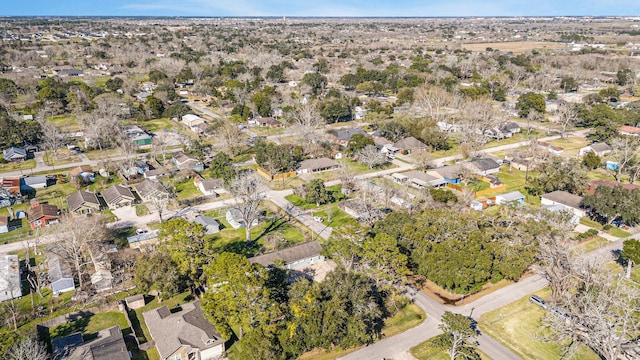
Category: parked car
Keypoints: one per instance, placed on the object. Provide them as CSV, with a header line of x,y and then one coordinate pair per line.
x,y
318,219
560,313
538,301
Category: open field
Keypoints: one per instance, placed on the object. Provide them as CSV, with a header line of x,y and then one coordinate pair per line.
x,y
518,327
514,46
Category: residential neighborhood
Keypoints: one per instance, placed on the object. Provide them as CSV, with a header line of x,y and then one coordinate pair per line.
x,y
332,187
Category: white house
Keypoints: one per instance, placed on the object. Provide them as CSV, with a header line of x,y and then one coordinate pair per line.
x,y
567,200
510,197
599,149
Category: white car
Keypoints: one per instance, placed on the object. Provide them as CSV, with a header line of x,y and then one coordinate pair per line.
x,y
318,219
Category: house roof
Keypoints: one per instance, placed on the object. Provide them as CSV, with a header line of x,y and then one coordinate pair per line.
x,y
113,193
109,345
148,187
133,298
41,210
629,129
318,164
77,199
600,147
14,152
33,180
290,254
606,182
345,134
410,143
182,158
511,196
58,269
268,121
449,171
212,184
170,330
564,198
510,126
80,169
142,237
484,164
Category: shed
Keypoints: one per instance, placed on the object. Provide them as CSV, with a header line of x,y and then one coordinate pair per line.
x,y
514,196
135,301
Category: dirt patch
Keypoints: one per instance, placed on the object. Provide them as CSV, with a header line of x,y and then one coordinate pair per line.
x,y
514,46
445,297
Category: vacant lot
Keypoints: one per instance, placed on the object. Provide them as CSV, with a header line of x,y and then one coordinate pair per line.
x,y
518,327
514,46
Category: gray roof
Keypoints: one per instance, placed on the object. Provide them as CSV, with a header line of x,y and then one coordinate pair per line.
x,y
144,236
449,171
289,254
318,164
511,196
116,192
600,147
14,152
81,197
149,187
410,143
564,198
210,224
345,134
58,268
212,184
185,327
33,180
484,164
109,345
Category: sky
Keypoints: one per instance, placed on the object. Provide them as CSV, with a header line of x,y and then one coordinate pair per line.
x,y
358,8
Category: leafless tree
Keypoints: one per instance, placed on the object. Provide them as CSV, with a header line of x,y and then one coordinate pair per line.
x,y
370,156
8,285
28,349
249,191
228,136
306,121
347,179
77,235
52,138
159,204
601,313
567,116
435,100
557,265
625,151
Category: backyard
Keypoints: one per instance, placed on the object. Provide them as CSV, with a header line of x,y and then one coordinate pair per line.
x,y
89,326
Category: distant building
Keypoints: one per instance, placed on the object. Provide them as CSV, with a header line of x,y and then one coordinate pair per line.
x,y
294,257
317,165
567,200
514,196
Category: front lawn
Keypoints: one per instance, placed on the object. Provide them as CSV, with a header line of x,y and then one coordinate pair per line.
x,y
18,166
425,351
89,326
61,157
187,190
518,326
65,123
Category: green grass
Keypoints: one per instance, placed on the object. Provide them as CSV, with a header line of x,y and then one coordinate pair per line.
x,y
65,122
518,327
18,234
425,351
592,244
89,326
161,124
590,223
617,232
64,156
187,190
18,166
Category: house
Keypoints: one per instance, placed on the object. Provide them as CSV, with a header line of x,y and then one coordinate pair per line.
x,y
14,153
143,241
83,202
138,136
154,174
193,122
184,334
185,161
210,225
359,211
510,128
60,274
84,171
520,160
4,224
11,185
268,122
450,173
33,183
629,130
108,345
234,218
483,166
599,149
209,187
514,196
606,182
419,179
43,215
316,165
150,189
410,144
117,196
450,127
135,301
102,280
567,200
10,284
342,136
294,257
559,209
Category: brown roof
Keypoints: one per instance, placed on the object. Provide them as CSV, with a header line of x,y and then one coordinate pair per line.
x,y
564,198
410,143
81,197
4,220
607,182
115,192
80,169
289,254
170,331
318,164
630,129
42,210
